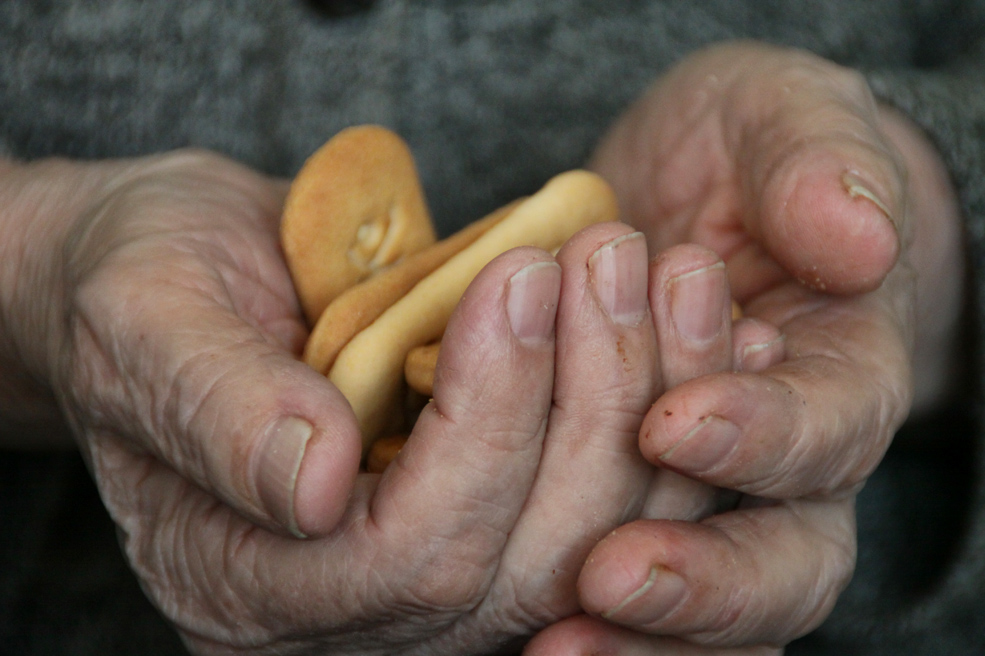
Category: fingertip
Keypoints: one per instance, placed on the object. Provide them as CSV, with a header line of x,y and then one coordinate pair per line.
x,y
697,291
682,259
285,446
631,576
532,300
831,226
757,575
582,635
525,283
618,273
757,345
579,635
307,468
697,428
325,479
570,637
609,259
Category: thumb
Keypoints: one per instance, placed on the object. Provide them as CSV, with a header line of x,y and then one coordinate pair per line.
x,y
188,380
822,186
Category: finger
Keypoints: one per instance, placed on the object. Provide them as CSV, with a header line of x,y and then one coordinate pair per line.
x,y
823,190
758,575
467,468
771,156
423,539
692,307
582,635
219,400
816,424
756,345
182,326
591,477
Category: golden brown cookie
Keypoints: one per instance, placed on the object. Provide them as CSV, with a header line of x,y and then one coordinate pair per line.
x,y
369,369
419,368
354,208
357,307
383,452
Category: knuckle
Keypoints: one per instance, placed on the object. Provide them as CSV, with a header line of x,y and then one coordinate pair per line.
x,y
91,370
855,88
740,612
834,454
444,587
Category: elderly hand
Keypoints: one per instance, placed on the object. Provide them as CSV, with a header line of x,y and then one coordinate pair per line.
x,y
838,225
170,340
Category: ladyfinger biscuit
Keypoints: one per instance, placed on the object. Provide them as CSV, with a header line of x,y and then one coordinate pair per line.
x,y
357,307
369,369
383,452
419,368
355,207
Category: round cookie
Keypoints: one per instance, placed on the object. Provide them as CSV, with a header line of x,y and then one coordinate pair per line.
x,y
354,208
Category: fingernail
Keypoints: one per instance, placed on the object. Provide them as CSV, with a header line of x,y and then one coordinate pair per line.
x,y
856,188
284,448
662,592
531,303
619,276
704,446
696,302
757,357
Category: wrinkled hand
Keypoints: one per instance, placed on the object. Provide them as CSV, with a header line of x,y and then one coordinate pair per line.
x,y
172,341
839,226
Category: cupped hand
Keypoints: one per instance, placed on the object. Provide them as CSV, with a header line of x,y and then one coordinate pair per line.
x,y
838,225
171,343
172,332
473,538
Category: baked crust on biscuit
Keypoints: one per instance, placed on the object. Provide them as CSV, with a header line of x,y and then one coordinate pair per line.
x,y
354,208
419,368
376,286
369,369
357,307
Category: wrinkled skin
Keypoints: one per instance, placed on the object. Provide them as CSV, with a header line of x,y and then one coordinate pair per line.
x,y
177,351
172,341
839,225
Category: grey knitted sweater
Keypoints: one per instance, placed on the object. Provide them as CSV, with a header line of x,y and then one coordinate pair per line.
x,y
494,97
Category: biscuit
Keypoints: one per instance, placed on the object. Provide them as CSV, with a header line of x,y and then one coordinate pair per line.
x,y
383,452
419,368
357,307
369,369
354,208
